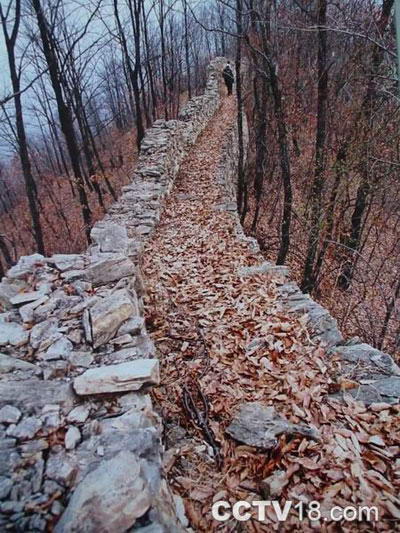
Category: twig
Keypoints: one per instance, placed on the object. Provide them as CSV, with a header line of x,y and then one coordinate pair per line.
x,y
201,418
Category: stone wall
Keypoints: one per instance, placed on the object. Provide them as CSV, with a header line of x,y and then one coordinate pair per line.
x,y
80,444
377,375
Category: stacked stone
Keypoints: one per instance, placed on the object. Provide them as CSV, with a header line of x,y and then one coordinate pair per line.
x,y
377,373
80,444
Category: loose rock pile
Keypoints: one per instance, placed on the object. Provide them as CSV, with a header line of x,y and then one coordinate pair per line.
x,y
80,443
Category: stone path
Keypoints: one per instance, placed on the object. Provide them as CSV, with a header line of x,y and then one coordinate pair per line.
x,y
225,344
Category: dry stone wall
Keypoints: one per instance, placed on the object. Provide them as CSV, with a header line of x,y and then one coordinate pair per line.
x,y
80,443
376,373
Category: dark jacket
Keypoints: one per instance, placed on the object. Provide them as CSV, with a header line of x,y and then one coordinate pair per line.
x,y
228,74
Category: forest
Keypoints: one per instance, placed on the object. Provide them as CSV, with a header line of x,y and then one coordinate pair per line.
x,y
316,79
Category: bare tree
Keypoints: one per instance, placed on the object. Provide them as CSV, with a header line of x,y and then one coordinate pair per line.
x,y
15,75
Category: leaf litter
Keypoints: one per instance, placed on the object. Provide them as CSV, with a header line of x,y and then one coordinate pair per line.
x,y
222,342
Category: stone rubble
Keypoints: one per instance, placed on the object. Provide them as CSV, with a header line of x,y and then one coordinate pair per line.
x,y
73,323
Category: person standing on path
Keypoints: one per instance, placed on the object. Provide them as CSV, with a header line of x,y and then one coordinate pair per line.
x,y
227,74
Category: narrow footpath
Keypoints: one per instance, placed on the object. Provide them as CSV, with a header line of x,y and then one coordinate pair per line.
x,y
223,341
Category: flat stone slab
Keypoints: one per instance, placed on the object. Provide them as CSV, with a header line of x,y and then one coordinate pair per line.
x,y
67,261
26,297
118,378
107,315
259,425
110,498
35,394
109,267
13,333
27,311
9,364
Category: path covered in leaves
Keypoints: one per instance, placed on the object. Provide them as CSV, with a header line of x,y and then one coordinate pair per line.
x,y
203,318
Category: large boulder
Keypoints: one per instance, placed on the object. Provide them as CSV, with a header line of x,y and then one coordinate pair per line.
x,y
110,498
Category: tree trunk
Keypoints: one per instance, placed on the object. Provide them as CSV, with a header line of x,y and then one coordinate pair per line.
x,y
365,117
309,274
64,113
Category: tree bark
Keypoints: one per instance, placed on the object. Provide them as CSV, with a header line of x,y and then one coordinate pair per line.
x,y
309,274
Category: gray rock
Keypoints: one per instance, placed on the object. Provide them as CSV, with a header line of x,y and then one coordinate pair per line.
x,y
72,438
51,416
132,326
83,359
56,508
7,291
45,334
110,498
33,394
11,507
26,265
37,523
367,359
75,336
259,425
9,364
106,268
27,311
118,378
6,443
142,348
79,415
81,287
61,468
50,487
110,237
382,391
122,339
180,510
320,323
33,447
274,484
67,261
60,349
5,487
9,414
26,429
26,297
264,268
73,275
107,315
13,333
55,369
